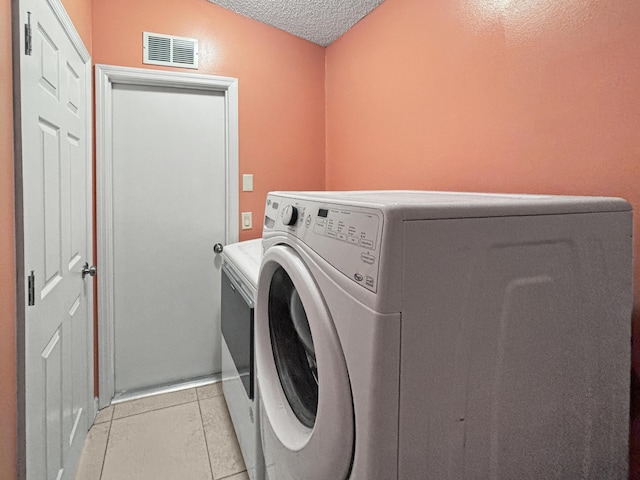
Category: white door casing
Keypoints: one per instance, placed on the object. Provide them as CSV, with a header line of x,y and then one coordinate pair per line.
x,y
55,178
128,81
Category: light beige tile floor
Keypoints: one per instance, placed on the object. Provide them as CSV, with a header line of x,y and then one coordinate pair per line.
x,y
179,435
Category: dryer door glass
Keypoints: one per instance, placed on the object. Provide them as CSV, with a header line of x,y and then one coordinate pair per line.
x,y
293,349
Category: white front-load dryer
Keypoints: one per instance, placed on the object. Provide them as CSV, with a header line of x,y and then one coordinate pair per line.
x,y
430,335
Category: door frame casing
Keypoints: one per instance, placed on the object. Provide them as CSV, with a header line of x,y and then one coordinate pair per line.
x,y
105,77
18,40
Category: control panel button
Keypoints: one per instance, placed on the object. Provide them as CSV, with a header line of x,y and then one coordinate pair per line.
x,y
366,243
307,221
332,234
369,281
319,228
358,277
342,236
289,215
269,222
366,258
352,240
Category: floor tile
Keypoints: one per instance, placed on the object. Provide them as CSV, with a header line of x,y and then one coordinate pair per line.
x,y
164,444
224,451
155,402
104,415
209,391
92,457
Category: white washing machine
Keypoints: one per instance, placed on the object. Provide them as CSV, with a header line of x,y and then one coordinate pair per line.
x,y
429,335
240,268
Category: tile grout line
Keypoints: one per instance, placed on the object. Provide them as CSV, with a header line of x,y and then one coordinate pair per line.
x,y
104,455
206,442
233,475
115,406
153,409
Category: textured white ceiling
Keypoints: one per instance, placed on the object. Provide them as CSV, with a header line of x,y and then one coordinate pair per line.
x,y
319,21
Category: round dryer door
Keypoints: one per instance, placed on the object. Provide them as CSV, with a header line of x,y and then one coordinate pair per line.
x,y
306,405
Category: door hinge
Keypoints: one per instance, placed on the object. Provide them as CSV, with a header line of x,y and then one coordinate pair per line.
x,y
28,39
31,287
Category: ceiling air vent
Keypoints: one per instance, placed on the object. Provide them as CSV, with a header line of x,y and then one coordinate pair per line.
x,y
169,50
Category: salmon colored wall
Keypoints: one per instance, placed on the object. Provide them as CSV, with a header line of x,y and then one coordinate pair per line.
x,y
491,95
80,13
8,464
281,84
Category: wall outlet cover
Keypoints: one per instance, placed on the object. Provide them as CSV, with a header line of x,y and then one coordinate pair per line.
x,y
247,220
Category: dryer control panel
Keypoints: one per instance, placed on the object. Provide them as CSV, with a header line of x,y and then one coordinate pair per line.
x,y
346,236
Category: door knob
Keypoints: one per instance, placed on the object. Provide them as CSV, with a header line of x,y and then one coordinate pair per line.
x,y
218,248
88,270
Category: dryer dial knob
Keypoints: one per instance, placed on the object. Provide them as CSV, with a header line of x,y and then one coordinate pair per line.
x,y
290,215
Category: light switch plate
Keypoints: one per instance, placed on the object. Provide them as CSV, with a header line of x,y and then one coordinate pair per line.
x,y
247,182
247,221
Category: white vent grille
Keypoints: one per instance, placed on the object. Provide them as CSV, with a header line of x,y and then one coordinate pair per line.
x,y
169,50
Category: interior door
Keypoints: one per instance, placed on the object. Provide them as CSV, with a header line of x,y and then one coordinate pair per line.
x,y
56,176
168,211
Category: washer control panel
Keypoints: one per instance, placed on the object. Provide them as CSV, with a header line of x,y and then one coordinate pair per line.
x,y
348,237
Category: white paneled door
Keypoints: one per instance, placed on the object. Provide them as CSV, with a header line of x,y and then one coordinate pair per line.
x,y
169,209
56,183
